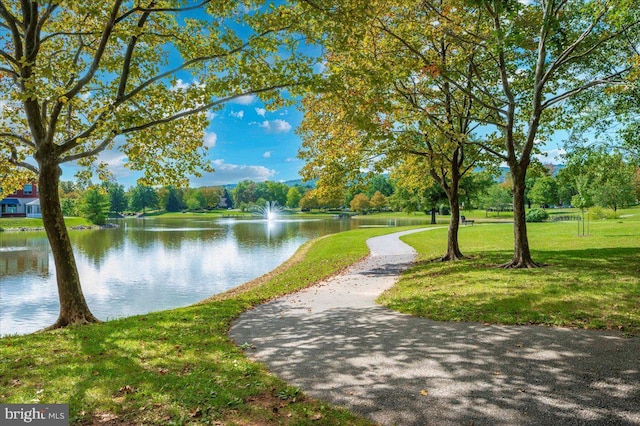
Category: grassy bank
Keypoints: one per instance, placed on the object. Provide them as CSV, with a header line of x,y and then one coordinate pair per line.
x,y
589,281
18,223
178,366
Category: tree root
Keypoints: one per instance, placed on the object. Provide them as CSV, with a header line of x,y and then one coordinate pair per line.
x,y
452,257
520,264
62,322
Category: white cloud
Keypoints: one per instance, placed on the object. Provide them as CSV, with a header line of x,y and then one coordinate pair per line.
x,y
267,154
553,156
116,161
232,173
237,114
211,115
180,85
275,126
210,139
261,111
244,100
320,67
291,159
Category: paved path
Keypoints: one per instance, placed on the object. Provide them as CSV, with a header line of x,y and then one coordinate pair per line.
x,y
336,344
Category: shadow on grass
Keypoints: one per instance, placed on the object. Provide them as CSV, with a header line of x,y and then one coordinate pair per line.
x,y
171,367
594,288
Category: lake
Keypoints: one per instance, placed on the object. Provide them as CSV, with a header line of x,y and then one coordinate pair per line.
x,y
150,264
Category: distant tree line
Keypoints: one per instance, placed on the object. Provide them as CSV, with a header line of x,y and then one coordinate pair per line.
x,y
591,178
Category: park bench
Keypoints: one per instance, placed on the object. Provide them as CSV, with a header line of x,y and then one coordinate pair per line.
x,y
464,221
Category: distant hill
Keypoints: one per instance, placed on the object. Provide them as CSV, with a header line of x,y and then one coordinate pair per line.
x,y
504,171
310,184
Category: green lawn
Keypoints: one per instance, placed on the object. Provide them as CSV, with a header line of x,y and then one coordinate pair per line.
x,y
28,222
589,281
177,366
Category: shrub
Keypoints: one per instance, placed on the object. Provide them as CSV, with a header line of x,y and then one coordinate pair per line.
x,y
444,210
598,212
537,215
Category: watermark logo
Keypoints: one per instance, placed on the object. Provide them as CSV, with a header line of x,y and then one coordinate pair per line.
x,y
34,414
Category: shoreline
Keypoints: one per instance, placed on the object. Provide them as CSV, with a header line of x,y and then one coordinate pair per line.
x,y
73,228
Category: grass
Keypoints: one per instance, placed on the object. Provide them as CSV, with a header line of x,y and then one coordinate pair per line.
x,y
587,282
8,223
177,366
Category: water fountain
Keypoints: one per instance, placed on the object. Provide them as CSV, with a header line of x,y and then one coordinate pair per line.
x,y
270,210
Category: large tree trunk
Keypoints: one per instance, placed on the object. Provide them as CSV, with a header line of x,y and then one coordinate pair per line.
x,y
453,248
521,252
73,307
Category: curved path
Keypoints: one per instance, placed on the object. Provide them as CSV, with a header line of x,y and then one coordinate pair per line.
x,y
336,344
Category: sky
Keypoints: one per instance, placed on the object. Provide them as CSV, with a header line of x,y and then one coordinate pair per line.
x,y
245,141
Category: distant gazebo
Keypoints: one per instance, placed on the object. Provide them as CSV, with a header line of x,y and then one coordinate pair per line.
x,y
33,208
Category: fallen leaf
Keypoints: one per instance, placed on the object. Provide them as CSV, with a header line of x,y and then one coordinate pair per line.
x,y
127,390
424,392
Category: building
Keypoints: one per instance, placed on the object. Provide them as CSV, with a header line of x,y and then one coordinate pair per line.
x,y
22,203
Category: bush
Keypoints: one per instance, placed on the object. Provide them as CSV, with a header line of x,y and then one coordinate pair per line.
x,y
598,212
537,215
444,210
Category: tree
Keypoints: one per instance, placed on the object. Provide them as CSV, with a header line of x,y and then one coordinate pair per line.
x,y
194,199
381,184
277,191
415,193
498,197
117,198
142,197
384,100
94,205
378,201
544,192
473,186
80,77
293,198
599,176
245,192
210,196
173,200
360,203
309,201
541,53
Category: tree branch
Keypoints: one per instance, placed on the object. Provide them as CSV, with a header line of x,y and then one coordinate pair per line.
x,y
95,151
563,58
186,64
24,141
201,108
12,22
106,34
126,64
606,80
160,9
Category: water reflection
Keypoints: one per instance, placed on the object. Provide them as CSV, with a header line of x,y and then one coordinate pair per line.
x,y
22,254
148,264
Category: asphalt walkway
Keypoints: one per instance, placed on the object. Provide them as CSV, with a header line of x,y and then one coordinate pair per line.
x,y
336,344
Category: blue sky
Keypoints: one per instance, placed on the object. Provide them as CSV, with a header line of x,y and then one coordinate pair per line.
x,y
245,141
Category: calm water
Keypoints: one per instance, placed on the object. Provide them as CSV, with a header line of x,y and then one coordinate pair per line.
x,y
148,264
